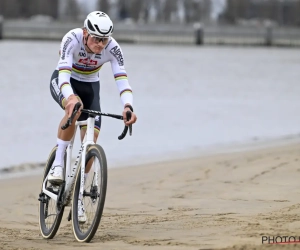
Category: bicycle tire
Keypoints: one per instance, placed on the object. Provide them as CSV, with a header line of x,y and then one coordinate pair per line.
x,y
93,151
51,232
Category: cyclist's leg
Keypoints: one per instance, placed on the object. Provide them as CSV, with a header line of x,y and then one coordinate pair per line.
x,y
91,101
89,94
68,133
63,136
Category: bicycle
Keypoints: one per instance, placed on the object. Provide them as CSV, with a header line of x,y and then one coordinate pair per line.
x,y
75,185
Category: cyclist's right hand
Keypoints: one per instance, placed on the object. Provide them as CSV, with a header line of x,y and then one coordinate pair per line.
x,y
71,101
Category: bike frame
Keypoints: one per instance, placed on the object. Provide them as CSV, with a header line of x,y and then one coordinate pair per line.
x,y
71,170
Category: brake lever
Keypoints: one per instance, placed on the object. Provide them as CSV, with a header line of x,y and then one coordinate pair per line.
x,y
128,117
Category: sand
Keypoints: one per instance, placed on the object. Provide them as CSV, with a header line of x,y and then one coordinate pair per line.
x,y
217,201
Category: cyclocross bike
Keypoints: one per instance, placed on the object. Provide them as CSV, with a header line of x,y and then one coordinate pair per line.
x,y
53,199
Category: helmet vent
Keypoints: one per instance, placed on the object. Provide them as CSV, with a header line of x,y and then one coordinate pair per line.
x,y
98,28
90,26
103,33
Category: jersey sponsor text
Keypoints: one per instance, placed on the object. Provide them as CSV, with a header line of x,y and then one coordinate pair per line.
x,y
116,52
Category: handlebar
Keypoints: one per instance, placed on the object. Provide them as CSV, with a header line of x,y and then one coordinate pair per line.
x,y
94,113
128,117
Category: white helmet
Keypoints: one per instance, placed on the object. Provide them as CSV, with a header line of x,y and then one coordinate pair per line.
x,y
98,23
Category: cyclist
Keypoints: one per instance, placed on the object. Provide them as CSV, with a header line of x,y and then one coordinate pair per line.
x,y
83,51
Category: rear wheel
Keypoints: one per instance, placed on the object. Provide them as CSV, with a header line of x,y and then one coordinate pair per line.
x,y
93,196
50,212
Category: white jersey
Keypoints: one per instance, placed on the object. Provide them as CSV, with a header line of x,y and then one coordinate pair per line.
x,y
77,63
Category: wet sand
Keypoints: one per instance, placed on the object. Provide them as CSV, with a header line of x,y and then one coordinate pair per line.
x,y
218,201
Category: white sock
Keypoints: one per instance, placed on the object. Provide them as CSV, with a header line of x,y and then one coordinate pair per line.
x,y
60,152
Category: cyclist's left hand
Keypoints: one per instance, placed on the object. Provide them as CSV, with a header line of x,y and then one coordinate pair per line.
x,y
133,117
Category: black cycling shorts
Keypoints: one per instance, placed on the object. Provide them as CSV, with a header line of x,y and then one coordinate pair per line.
x,y
88,92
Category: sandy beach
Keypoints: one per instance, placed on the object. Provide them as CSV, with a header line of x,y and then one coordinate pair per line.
x,y
218,201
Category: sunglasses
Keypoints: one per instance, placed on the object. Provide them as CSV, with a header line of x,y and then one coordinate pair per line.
x,y
97,39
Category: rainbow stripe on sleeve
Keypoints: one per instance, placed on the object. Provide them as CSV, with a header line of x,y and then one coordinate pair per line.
x,y
120,76
67,70
65,84
125,91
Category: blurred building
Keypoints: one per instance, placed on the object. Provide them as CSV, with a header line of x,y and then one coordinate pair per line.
x,y
28,8
282,12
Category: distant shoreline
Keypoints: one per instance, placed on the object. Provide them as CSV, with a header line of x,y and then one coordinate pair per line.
x,y
28,168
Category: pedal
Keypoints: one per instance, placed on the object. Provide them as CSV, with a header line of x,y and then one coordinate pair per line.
x,y
42,198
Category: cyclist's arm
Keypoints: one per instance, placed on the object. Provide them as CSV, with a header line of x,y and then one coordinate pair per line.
x,y
118,68
65,64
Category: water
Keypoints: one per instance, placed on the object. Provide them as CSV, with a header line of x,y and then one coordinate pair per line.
x,y
186,99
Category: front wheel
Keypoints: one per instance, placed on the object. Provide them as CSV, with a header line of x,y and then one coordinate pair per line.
x,y
50,213
87,208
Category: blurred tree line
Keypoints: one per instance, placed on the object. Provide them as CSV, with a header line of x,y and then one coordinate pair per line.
x,y
137,10
28,8
283,12
160,10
